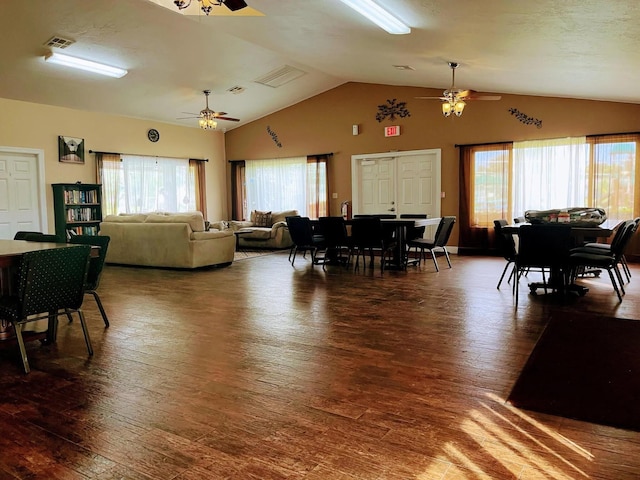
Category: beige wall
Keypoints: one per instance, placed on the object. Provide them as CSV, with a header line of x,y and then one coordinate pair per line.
x,y
29,125
323,124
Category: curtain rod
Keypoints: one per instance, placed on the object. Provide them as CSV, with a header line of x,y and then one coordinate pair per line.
x,y
155,156
511,141
314,155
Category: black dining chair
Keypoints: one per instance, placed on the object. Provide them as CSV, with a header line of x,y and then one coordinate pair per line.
x,y
336,241
507,247
545,247
50,283
96,265
368,235
581,258
413,232
436,244
301,231
22,234
43,237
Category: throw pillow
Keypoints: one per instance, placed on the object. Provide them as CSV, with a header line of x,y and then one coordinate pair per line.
x,y
262,219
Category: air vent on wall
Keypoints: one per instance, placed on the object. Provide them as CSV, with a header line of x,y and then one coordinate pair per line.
x,y
59,42
280,76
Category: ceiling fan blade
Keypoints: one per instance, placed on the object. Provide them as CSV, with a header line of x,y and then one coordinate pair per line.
x,y
191,113
228,119
219,114
187,118
484,97
430,98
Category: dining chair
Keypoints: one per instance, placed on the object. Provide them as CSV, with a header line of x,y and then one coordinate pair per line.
x,y
507,247
301,232
43,237
543,247
96,264
336,241
368,234
413,232
519,220
581,258
436,244
50,282
22,235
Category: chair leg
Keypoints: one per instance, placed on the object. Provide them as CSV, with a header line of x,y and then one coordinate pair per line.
x,y
87,339
69,315
503,274
295,252
615,286
446,255
100,307
23,351
435,261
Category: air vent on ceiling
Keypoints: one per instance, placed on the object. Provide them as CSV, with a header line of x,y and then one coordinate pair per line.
x,y
280,76
59,42
236,90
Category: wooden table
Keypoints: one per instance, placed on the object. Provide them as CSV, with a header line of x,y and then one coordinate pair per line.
x,y
11,252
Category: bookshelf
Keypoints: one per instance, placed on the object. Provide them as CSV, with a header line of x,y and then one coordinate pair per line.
x,y
77,208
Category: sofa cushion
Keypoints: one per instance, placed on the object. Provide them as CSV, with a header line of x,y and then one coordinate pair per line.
x,y
126,218
195,220
282,216
261,219
258,233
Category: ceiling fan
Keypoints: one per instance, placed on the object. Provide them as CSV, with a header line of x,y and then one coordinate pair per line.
x,y
453,99
208,117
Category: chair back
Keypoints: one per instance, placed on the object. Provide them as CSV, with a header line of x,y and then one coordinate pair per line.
x,y
544,245
53,279
300,230
367,232
334,231
22,235
443,232
43,237
96,264
505,241
621,239
414,232
519,220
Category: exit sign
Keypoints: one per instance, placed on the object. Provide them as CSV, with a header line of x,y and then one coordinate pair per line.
x,y
393,131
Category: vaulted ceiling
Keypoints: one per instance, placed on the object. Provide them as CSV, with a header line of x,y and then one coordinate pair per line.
x,y
575,48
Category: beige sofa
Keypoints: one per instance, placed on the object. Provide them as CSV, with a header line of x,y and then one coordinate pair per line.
x,y
166,240
276,235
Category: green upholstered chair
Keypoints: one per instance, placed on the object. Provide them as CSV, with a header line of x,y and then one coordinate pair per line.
x,y
96,265
50,283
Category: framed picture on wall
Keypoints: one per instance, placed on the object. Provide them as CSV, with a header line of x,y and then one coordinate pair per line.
x,y
70,149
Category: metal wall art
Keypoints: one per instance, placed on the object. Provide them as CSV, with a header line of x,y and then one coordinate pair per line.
x,y
524,118
274,136
391,110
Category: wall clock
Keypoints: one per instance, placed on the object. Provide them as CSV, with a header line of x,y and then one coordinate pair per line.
x,y
153,135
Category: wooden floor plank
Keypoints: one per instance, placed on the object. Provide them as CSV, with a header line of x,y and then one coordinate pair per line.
x,y
262,370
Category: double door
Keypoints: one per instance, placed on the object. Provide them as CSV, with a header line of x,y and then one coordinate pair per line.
x,y
398,183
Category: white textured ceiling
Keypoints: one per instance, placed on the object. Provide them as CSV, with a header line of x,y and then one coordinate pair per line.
x,y
573,48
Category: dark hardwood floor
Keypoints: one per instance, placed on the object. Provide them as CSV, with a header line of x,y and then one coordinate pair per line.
x,y
262,370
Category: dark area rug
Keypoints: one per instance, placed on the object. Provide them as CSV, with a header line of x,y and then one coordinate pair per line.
x,y
587,368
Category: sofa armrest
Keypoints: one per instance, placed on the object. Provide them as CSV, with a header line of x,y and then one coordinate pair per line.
x,y
211,234
238,224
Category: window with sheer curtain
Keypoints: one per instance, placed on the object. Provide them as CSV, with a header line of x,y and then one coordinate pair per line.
x,y
505,180
296,183
137,184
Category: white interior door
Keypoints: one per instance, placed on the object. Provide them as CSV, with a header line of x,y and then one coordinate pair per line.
x,y
377,181
418,184
22,202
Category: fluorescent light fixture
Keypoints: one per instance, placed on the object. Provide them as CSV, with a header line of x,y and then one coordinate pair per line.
x,y
88,65
379,16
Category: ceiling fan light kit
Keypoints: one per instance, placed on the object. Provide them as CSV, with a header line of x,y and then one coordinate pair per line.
x,y
87,65
207,5
378,15
207,118
453,99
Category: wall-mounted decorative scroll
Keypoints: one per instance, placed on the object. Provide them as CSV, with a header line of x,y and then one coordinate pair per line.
x,y
391,110
274,136
524,118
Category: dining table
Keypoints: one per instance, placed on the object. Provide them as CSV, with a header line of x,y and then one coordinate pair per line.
x,y
11,252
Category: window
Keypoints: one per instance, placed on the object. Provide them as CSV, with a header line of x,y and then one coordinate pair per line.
x,y
298,183
508,179
138,184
